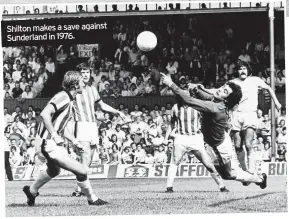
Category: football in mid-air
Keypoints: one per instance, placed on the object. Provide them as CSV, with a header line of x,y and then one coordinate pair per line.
x,y
146,41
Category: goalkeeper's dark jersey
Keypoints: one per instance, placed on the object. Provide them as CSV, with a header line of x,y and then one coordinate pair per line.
x,y
214,121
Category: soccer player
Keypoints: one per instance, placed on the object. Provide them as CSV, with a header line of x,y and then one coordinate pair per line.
x,y
49,141
244,119
187,138
85,127
214,124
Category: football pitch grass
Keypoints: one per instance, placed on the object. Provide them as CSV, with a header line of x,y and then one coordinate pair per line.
x,y
147,196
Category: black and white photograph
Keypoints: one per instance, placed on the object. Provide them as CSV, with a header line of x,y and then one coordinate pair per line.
x,y
144,108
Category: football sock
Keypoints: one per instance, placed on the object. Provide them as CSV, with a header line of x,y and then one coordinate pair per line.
x,y
242,160
87,190
251,161
41,180
171,174
218,179
77,189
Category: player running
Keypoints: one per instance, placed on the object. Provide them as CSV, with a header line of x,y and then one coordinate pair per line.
x,y
214,124
49,142
85,127
188,139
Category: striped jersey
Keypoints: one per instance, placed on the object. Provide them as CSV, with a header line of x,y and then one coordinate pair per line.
x,y
63,105
187,119
84,104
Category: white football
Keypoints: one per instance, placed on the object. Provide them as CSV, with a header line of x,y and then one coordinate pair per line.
x,y
146,41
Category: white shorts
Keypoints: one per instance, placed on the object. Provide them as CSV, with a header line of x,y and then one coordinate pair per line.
x,y
87,132
240,121
186,143
48,149
223,153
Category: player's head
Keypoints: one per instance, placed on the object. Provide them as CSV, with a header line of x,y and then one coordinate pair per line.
x,y
243,70
73,81
233,95
85,72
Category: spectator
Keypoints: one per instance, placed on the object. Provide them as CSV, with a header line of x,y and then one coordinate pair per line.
x,y
27,94
7,90
95,8
127,156
16,75
280,127
244,57
282,137
103,156
115,156
281,153
80,8
267,152
139,155
265,128
50,66
17,91
23,83
160,156
15,158
149,158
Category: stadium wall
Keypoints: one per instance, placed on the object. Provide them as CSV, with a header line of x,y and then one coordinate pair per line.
x,y
148,101
142,171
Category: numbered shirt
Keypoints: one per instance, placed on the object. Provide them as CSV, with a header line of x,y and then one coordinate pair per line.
x,y
250,88
84,104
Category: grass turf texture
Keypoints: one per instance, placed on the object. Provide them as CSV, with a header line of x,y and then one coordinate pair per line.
x,y
147,196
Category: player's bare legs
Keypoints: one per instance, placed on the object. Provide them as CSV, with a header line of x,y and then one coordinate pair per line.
x,y
238,142
85,159
232,171
248,140
53,170
207,162
177,155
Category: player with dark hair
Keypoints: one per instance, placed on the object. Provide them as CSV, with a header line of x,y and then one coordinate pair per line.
x,y
49,141
214,124
244,118
85,125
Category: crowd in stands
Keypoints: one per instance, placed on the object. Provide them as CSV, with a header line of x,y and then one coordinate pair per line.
x,y
186,50
139,139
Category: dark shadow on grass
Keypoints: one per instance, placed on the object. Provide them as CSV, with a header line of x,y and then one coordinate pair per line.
x,y
57,195
35,206
238,199
178,191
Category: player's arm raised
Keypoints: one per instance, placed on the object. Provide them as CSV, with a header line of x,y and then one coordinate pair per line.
x,y
200,105
263,85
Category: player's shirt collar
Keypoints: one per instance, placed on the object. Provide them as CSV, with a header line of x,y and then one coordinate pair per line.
x,y
70,96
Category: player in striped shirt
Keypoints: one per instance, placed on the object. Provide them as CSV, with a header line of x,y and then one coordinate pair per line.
x,y
188,139
85,128
49,141
214,125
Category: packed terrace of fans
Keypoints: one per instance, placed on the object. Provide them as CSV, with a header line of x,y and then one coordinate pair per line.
x,y
188,49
